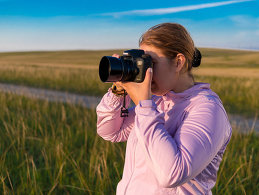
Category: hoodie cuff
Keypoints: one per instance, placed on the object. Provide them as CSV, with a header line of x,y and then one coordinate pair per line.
x,y
146,107
115,101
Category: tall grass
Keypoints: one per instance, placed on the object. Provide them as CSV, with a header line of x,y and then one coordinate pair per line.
x,y
239,169
78,80
53,148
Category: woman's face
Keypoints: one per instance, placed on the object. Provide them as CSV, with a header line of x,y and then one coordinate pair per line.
x,y
164,71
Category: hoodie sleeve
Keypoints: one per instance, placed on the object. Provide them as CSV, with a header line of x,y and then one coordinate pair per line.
x,y
175,160
110,126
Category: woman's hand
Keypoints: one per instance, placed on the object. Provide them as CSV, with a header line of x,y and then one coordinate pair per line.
x,y
139,91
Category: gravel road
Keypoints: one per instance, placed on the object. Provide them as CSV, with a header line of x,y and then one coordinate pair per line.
x,y
51,95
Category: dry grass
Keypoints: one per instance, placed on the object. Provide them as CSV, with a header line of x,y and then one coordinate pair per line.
x,y
228,72
229,58
55,58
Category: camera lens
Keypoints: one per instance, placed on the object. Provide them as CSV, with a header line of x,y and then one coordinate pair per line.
x,y
110,69
113,69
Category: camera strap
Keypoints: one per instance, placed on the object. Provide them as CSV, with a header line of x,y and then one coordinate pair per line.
x,y
124,110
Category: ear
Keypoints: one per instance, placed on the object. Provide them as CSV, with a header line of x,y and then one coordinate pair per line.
x,y
180,62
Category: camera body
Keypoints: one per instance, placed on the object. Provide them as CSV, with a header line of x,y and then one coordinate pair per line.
x,y
130,67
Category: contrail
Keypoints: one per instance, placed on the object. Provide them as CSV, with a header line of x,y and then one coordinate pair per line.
x,y
162,11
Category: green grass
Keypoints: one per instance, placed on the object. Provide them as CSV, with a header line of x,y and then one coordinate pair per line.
x,y
83,81
53,148
239,169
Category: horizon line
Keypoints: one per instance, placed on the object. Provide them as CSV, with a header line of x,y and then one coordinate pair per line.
x,y
108,49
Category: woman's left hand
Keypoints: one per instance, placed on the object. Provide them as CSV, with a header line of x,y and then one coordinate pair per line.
x,y
139,91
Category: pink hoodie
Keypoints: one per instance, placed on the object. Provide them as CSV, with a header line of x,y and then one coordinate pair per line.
x,y
175,142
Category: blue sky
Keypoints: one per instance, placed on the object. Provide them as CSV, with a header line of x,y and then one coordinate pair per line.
x,y
82,24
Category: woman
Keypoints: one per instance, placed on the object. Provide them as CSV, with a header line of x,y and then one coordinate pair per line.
x,y
177,136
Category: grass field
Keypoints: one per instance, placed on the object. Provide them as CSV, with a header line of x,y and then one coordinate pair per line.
x,y
53,148
232,74
67,71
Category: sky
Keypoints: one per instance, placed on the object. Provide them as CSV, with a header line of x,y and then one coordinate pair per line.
x,y
30,25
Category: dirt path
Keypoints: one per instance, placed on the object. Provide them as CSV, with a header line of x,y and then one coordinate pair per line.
x,y
51,95
238,122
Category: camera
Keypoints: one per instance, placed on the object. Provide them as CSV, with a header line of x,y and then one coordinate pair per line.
x,y
131,66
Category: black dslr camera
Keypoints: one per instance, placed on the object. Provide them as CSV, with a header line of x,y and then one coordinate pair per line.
x,y
132,66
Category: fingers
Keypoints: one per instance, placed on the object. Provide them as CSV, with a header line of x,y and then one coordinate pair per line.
x,y
147,80
149,74
116,55
119,86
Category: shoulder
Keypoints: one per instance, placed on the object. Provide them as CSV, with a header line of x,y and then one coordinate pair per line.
x,y
207,109
206,97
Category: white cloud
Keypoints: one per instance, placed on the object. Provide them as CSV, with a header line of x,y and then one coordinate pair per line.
x,y
245,21
162,11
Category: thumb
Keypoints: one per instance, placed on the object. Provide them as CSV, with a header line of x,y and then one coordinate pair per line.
x,y
149,74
